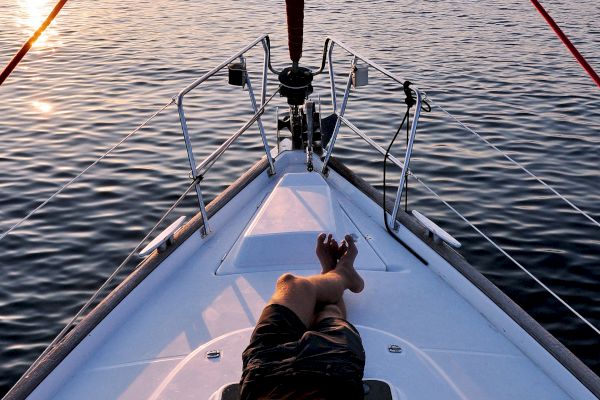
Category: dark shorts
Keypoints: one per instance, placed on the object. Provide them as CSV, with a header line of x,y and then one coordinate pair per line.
x,y
286,360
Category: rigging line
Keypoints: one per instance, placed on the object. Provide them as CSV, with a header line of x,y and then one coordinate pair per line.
x,y
568,44
76,177
542,284
25,48
64,331
547,186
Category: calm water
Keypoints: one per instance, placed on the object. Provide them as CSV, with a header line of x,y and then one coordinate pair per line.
x,y
104,66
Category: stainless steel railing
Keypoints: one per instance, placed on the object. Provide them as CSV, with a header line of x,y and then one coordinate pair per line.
x,y
341,118
197,172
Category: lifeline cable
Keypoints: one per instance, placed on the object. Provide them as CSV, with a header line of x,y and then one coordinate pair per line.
x,y
561,35
76,177
528,172
531,275
25,48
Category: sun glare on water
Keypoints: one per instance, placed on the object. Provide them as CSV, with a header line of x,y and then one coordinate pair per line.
x,y
32,14
42,106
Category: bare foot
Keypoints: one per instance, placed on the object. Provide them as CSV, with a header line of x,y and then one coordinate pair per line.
x,y
327,252
346,265
334,251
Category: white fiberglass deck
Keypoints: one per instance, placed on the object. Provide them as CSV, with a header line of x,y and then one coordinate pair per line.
x,y
209,293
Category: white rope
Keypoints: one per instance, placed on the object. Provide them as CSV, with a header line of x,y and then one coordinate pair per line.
x,y
520,166
556,296
15,226
67,327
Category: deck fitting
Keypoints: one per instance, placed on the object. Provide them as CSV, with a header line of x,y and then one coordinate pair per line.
x,y
394,348
212,354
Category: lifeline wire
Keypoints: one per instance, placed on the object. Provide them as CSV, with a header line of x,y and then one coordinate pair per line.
x,y
64,331
557,297
520,166
12,228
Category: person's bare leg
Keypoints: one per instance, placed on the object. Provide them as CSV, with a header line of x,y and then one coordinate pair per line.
x,y
342,276
328,252
331,311
331,256
345,265
301,295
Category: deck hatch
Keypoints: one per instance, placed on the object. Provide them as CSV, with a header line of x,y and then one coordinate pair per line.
x,y
282,233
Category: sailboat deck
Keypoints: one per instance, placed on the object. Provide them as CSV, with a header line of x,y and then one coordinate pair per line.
x,y
154,343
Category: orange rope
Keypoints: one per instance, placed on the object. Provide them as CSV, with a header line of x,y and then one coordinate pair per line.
x,y
21,53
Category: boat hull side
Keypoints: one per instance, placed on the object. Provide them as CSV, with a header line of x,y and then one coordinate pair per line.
x,y
29,382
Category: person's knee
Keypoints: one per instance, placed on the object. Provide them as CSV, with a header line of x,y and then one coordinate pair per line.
x,y
285,279
288,284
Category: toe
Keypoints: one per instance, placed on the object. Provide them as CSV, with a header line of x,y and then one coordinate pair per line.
x,y
321,238
352,250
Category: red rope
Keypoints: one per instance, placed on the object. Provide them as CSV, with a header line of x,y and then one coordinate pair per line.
x,y
21,53
295,21
582,61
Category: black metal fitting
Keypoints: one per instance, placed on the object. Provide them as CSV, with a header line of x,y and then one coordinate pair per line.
x,y
296,84
408,93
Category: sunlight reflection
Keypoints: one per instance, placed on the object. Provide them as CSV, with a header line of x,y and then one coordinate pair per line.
x,y
42,106
33,13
